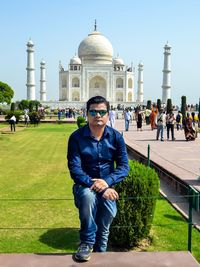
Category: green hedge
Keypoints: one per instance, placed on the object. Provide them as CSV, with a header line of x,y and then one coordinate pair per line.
x,y
10,113
138,193
81,121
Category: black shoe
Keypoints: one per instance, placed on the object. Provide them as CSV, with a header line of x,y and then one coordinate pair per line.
x,y
83,252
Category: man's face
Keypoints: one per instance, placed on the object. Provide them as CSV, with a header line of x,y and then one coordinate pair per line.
x,y
96,118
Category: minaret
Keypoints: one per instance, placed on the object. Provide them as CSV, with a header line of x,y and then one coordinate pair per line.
x,y
166,86
140,83
42,81
30,71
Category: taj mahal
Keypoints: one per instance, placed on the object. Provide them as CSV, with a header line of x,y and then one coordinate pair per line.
x,y
95,71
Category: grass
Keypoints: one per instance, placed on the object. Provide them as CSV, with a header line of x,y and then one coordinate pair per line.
x,y
33,169
3,125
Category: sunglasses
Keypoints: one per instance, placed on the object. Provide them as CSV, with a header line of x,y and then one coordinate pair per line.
x,y
94,112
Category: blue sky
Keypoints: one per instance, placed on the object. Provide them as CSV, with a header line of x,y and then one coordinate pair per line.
x,y
138,31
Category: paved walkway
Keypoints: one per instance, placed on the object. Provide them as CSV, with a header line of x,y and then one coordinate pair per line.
x,y
180,157
109,259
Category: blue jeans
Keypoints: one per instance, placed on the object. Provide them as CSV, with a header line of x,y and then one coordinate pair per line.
x,y
96,215
126,125
160,130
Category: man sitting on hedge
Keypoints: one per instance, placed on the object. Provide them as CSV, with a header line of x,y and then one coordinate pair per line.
x,y
92,151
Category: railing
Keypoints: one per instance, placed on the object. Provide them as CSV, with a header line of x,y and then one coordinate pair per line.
x,y
192,196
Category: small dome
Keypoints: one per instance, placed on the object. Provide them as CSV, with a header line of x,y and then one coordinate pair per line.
x,y
167,46
30,43
118,61
42,62
75,61
96,48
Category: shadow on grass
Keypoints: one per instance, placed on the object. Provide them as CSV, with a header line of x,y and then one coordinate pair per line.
x,y
174,217
61,238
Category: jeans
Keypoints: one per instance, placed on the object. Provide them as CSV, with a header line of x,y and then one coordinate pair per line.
x,y
96,215
160,131
170,126
126,125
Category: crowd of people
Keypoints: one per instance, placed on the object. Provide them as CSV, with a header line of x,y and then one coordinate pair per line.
x,y
160,121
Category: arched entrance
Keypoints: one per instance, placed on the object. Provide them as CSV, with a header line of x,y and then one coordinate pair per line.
x,y
97,86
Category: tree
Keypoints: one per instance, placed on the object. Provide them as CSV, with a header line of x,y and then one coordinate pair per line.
x,y
183,106
12,107
159,104
6,93
23,104
149,104
35,104
169,105
30,106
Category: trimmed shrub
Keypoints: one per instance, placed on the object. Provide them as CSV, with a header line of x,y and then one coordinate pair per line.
x,y
169,105
136,206
148,104
159,104
34,117
10,113
183,106
81,121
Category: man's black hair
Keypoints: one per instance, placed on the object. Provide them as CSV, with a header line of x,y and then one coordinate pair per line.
x,y
98,100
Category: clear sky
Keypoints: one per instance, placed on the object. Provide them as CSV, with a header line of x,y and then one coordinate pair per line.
x,y
138,31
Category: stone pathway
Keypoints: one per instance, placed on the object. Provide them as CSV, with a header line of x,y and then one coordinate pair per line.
x,y
109,259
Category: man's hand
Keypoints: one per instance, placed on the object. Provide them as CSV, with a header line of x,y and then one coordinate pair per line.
x,y
111,194
99,185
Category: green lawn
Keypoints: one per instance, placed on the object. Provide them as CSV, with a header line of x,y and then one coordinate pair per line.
x,y
3,125
33,169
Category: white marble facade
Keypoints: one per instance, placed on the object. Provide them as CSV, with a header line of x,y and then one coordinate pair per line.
x,y
95,72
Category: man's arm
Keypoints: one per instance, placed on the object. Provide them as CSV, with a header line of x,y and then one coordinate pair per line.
x,y
74,164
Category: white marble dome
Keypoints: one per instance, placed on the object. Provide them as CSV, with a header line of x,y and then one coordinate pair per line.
x,y
75,61
96,48
118,61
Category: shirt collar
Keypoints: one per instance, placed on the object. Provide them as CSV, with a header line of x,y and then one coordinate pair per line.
x,y
87,131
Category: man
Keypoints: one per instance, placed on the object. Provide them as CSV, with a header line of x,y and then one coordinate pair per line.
x,y
127,117
92,151
112,117
170,120
12,122
160,124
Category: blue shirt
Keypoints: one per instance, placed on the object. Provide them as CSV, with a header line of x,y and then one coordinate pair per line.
x,y
89,158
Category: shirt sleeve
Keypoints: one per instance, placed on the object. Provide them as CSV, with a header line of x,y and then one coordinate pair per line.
x,y
74,164
122,166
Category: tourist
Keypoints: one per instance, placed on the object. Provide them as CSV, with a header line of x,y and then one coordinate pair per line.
x,y
92,150
12,122
190,133
170,121
160,124
26,119
112,117
179,121
59,114
152,117
127,117
139,118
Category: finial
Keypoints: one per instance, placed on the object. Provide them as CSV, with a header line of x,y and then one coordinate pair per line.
x,y
95,25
